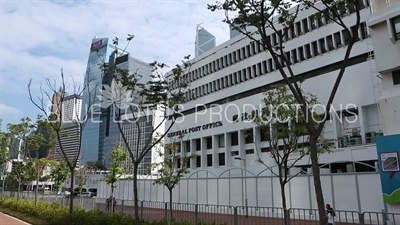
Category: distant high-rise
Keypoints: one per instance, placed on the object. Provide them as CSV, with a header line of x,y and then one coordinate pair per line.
x,y
70,119
101,131
233,32
1,122
99,53
71,108
109,131
205,41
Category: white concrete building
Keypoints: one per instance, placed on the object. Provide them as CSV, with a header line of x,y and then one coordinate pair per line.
x,y
385,32
233,75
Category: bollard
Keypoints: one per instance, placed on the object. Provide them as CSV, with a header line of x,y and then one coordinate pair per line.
x,y
384,217
141,209
196,214
166,211
235,216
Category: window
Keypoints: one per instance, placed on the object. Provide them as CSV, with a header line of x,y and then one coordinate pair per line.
x,y
209,160
322,45
198,161
330,43
266,149
396,27
221,141
209,142
265,134
187,144
178,163
338,40
249,151
234,139
305,25
221,159
308,51
301,52
198,144
248,136
315,48
396,77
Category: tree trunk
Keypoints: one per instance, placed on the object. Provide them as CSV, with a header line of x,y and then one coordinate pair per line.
x,y
3,187
71,195
19,189
317,180
135,192
171,214
36,190
283,196
112,200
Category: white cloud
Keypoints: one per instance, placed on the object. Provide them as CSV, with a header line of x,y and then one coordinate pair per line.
x,y
38,38
5,109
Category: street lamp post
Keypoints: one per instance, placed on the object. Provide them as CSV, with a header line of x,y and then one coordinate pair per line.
x,y
245,186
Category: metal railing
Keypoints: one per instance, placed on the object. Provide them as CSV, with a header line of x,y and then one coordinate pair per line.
x,y
224,214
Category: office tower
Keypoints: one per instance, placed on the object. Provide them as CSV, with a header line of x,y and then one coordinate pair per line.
x,y
101,132
205,41
70,119
1,122
91,110
233,32
71,108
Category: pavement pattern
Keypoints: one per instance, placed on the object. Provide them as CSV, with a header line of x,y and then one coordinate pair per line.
x,y
9,220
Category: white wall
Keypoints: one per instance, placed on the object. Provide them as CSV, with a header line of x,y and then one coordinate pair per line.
x,y
362,192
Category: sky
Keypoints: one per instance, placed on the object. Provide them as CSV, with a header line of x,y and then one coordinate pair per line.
x,y
38,38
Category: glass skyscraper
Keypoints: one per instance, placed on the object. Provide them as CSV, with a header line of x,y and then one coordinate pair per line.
x,y
205,41
91,110
101,132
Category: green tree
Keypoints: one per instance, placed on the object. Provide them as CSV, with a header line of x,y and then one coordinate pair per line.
x,y
59,174
95,165
23,172
118,158
279,17
283,126
54,113
163,92
172,168
25,132
5,143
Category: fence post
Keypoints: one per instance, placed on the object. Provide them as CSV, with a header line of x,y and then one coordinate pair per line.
x,y
361,218
122,206
93,203
235,216
166,210
141,209
286,213
384,217
196,214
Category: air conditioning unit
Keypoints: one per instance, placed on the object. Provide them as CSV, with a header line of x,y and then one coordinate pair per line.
x,y
343,141
370,137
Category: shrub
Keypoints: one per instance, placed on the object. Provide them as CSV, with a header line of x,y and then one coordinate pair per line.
x,y
57,214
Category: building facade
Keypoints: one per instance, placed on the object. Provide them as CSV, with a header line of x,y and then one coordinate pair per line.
x,y
140,131
229,80
385,33
109,132
71,108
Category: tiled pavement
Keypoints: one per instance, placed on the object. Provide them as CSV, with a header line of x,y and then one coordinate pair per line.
x,y
8,220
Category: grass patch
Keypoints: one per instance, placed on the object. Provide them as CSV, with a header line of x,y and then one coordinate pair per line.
x,y
24,217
